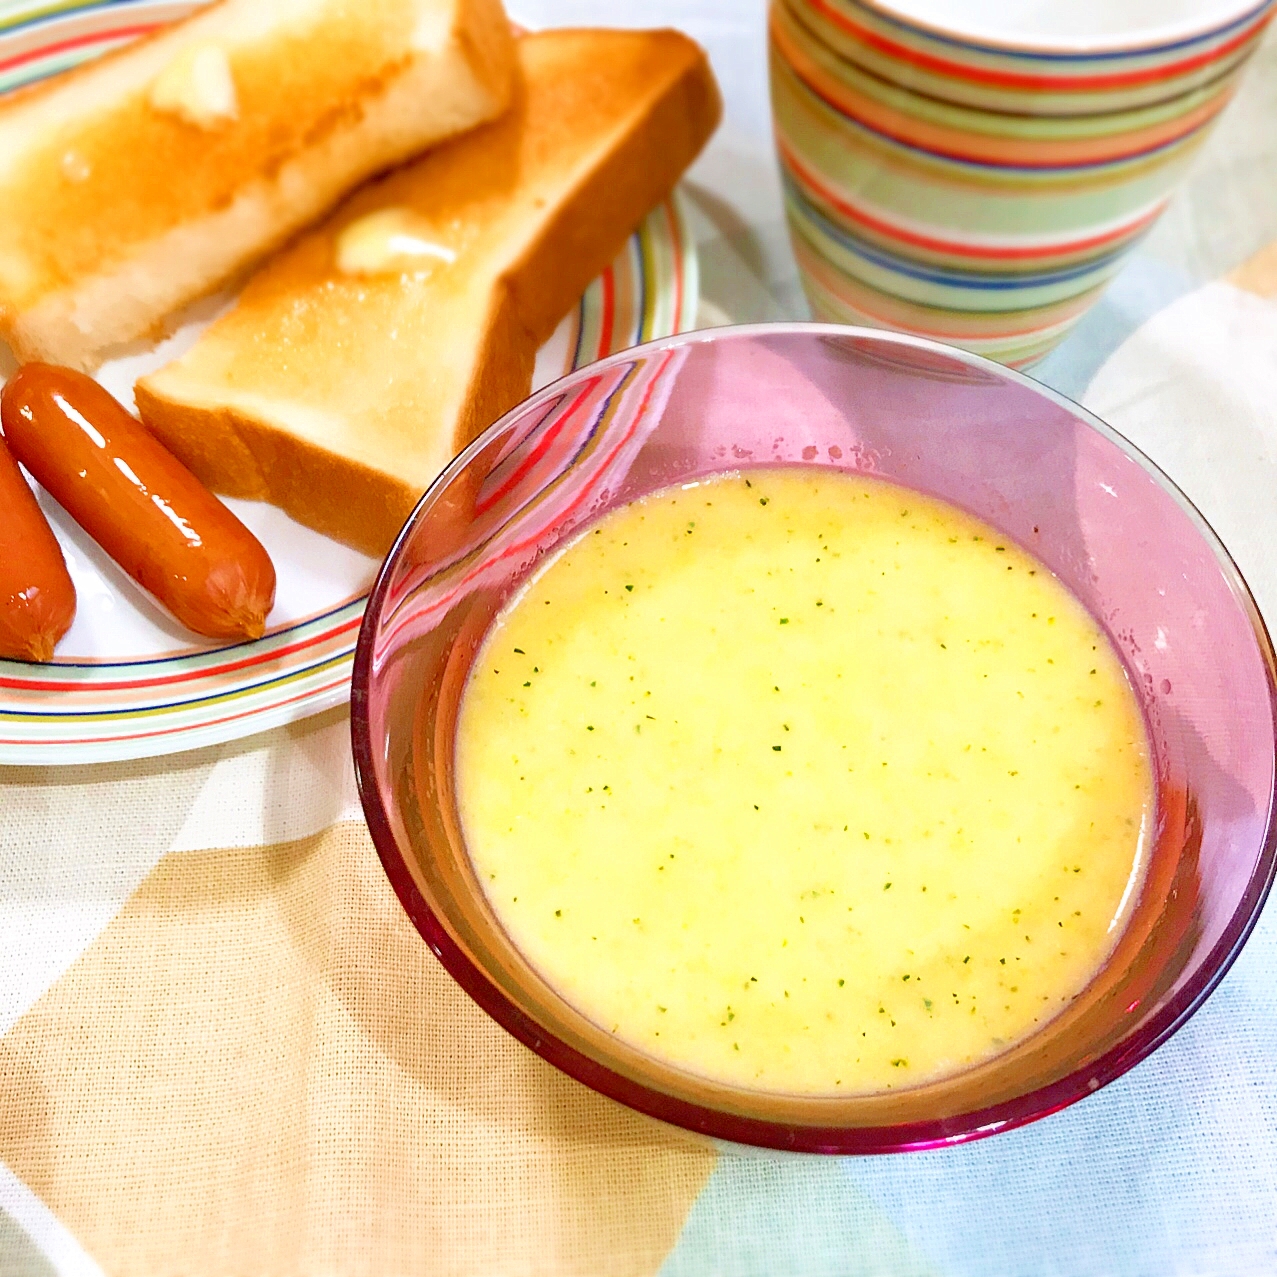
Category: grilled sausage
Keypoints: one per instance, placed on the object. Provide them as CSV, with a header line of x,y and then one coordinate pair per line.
x,y
138,502
37,599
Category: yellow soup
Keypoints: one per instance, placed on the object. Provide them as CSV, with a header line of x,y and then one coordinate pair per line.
x,y
805,782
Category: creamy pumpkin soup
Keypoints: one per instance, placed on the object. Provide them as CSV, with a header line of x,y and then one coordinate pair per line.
x,y
805,782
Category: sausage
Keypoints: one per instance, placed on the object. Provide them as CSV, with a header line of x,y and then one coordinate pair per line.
x,y
37,599
138,502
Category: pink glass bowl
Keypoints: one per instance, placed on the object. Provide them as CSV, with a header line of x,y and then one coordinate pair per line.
x,y
1037,467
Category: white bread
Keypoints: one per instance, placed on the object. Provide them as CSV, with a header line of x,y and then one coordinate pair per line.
x,y
340,396
146,179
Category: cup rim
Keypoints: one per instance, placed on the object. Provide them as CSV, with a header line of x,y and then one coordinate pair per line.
x,y
1151,41
731,1127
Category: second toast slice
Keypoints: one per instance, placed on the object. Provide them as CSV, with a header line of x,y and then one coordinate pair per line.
x,y
359,361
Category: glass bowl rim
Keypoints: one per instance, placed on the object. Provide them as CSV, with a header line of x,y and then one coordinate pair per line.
x,y
733,1127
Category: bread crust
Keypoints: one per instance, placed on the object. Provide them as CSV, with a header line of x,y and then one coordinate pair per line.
x,y
357,473
121,213
354,503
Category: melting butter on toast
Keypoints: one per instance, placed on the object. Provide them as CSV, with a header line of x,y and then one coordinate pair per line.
x,y
150,177
359,361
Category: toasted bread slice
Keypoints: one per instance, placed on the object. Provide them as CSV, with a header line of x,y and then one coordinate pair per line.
x,y
358,362
139,182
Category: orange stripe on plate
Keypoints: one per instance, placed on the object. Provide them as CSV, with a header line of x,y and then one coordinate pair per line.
x,y
609,314
78,42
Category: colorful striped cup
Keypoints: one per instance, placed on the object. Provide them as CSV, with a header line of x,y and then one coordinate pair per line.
x,y
990,227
